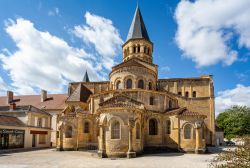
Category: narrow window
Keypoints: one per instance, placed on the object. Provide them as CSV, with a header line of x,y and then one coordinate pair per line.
x,y
148,51
145,50
203,131
149,86
141,84
194,93
68,132
86,127
187,131
168,127
129,84
118,85
115,130
138,131
170,104
138,49
186,94
151,100
39,122
153,127
134,49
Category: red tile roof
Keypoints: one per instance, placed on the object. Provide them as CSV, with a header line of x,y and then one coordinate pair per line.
x,y
54,101
11,121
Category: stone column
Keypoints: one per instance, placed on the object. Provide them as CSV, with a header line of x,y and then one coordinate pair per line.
x,y
102,151
130,153
198,141
60,145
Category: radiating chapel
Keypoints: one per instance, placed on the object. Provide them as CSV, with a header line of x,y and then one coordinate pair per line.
x,y
135,111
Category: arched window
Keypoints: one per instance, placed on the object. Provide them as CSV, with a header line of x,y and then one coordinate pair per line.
x,y
141,84
68,132
194,93
115,130
86,127
138,131
145,49
170,104
186,94
138,48
129,84
151,100
148,51
203,133
149,86
153,127
168,127
134,49
187,131
118,85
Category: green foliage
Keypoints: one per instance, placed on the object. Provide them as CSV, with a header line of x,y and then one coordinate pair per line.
x,y
236,157
235,121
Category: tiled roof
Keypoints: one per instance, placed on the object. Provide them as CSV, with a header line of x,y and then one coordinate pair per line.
x,y
186,112
81,93
25,108
129,63
54,101
11,121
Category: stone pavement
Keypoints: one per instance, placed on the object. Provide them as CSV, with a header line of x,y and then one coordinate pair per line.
x,y
49,158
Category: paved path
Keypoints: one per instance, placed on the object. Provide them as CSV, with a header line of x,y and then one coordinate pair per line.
x,y
50,158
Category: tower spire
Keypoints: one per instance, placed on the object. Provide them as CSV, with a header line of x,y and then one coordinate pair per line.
x,y
86,77
137,28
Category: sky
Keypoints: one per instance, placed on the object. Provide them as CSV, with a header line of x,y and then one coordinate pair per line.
x,y
47,44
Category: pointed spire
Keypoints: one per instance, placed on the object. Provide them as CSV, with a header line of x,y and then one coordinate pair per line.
x,y
86,77
137,28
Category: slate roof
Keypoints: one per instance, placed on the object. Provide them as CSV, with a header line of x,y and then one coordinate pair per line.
x,y
80,94
54,101
137,28
11,121
86,77
25,108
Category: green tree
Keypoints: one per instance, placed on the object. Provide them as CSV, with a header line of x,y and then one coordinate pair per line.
x,y
235,121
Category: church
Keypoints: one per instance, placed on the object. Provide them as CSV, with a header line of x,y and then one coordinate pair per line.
x,y
134,110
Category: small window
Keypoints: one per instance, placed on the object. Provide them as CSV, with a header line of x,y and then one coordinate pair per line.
x,y
170,104
39,122
129,84
149,86
115,130
68,132
168,127
187,131
151,100
194,93
148,51
138,131
138,49
118,85
186,94
153,127
141,84
145,50
86,127
179,93
134,49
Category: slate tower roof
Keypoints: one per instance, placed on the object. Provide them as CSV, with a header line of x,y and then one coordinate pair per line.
x,y
137,28
86,77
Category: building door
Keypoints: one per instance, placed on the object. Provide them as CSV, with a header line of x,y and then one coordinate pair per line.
x,y
33,140
4,141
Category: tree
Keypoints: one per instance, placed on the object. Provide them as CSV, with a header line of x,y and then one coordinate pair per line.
x,y
235,121
238,157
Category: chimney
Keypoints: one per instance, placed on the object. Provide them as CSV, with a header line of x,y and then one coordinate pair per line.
x,y
43,95
10,97
12,106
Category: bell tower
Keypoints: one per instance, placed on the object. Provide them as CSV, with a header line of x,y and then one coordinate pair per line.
x,y
138,44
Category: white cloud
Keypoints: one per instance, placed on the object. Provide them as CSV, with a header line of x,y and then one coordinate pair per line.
x,y
101,33
54,12
205,28
237,96
3,86
45,61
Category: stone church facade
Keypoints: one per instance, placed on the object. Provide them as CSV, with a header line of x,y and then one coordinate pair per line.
x,y
135,110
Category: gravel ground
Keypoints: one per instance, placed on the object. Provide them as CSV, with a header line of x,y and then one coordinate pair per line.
x,y
49,158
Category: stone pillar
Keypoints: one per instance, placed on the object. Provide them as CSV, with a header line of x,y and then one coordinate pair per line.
x,y
198,141
102,151
130,153
60,145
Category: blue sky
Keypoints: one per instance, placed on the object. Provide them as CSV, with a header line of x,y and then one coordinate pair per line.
x,y
190,38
